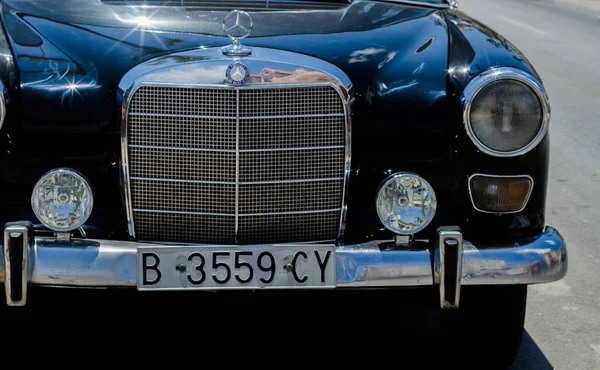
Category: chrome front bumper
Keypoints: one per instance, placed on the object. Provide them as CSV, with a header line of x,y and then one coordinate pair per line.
x,y
107,263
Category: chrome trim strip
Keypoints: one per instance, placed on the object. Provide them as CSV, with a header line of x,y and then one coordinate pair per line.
x,y
203,61
290,181
102,263
179,115
236,214
181,148
290,212
181,180
348,163
237,163
154,242
249,86
292,149
234,150
232,118
233,182
182,212
319,241
294,116
500,176
505,73
126,184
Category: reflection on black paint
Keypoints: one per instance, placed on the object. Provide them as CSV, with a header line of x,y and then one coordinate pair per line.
x,y
21,33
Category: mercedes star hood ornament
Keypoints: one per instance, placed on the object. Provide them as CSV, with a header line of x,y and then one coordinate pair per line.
x,y
237,24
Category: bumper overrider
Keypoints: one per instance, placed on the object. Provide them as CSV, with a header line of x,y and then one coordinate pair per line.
x,y
26,259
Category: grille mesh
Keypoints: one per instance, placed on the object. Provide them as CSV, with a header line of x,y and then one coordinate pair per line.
x,y
182,132
191,148
287,101
298,132
292,165
182,164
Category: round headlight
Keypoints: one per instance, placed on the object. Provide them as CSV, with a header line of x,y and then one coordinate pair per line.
x,y
62,200
506,112
406,203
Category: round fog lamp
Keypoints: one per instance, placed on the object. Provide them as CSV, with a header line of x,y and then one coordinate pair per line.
x,y
406,203
62,200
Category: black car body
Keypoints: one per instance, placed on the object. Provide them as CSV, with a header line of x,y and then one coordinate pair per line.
x,y
403,68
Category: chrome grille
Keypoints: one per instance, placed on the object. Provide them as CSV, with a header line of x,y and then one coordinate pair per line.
x,y
227,165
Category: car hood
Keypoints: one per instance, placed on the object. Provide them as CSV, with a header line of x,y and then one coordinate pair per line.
x,y
72,54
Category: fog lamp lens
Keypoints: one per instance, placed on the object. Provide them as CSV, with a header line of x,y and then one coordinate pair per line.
x,y
500,194
406,203
62,200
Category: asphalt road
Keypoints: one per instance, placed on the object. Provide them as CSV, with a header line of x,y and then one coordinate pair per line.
x,y
562,41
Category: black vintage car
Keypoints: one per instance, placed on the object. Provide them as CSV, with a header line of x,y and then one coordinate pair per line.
x,y
253,145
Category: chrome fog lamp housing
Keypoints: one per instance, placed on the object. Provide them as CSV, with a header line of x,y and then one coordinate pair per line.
x,y
406,203
62,200
506,112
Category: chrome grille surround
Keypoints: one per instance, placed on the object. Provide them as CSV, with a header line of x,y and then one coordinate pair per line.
x,y
256,182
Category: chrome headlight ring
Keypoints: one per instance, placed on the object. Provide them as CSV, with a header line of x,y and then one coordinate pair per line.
x,y
505,73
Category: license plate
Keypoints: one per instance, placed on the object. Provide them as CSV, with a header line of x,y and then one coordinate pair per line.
x,y
232,267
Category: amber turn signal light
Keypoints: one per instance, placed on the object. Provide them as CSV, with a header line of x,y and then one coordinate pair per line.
x,y
500,194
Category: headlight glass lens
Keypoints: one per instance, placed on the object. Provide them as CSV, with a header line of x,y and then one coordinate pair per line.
x,y
506,115
62,200
406,203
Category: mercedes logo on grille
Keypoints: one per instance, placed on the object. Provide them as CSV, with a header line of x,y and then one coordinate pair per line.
x,y
237,74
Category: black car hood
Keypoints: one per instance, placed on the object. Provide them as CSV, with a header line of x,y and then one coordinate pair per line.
x,y
72,54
